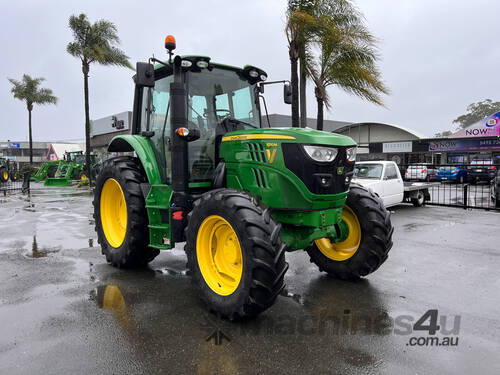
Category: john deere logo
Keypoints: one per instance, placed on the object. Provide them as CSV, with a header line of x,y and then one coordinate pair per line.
x,y
340,170
271,154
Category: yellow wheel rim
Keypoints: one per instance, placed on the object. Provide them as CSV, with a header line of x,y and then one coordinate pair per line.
x,y
113,212
346,249
219,255
83,176
5,175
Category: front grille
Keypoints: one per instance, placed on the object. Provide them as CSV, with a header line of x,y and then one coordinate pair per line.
x,y
257,152
260,177
319,178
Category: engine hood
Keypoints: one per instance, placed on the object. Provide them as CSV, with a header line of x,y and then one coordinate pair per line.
x,y
366,182
291,135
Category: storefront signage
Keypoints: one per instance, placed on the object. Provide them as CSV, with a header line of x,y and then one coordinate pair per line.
x,y
396,147
490,126
465,145
15,145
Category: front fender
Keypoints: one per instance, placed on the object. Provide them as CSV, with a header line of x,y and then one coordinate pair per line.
x,y
143,150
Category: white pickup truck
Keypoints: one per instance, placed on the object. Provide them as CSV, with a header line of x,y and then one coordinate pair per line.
x,y
384,179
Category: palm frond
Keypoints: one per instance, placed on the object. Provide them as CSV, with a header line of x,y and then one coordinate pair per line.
x,y
96,42
28,90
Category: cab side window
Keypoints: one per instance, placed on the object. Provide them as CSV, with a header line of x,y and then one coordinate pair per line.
x,y
390,172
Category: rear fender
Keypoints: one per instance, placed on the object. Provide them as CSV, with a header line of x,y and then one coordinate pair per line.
x,y
141,146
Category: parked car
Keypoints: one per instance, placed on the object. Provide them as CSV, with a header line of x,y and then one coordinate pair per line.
x,y
481,170
384,179
495,189
422,172
454,173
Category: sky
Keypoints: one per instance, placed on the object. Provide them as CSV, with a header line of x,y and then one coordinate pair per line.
x,y
436,57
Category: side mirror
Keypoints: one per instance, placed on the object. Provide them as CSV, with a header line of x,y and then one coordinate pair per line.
x,y
145,75
287,93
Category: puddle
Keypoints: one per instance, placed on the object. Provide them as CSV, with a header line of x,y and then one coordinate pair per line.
x,y
37,252
172,271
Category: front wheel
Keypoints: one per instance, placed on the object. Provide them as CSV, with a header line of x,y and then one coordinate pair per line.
x,y
82,176
368,243
4,175
121,220
235,254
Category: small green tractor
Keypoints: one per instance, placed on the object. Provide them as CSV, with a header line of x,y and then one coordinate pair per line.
x,y
71,168
208,172
8,170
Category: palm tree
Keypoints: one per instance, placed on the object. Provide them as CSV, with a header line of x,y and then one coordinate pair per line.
x,y
28,91
347,56
94,43
298,28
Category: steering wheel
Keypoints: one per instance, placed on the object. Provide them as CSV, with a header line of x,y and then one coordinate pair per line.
x,y
226,113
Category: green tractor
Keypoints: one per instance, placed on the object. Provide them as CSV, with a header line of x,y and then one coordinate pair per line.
x,y
71,168
8,170
206,171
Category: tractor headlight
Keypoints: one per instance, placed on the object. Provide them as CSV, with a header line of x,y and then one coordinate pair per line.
x,y
321,153
351,154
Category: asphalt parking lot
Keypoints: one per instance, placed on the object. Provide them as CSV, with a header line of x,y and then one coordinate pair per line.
x,y
64,310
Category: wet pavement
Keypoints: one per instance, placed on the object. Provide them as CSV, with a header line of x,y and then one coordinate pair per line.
x,y
64,310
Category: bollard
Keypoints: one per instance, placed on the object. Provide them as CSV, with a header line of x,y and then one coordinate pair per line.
x,y
465,196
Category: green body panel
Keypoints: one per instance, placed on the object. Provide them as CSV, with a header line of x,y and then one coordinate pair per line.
x,y
158,199
304,216
144,152
41,174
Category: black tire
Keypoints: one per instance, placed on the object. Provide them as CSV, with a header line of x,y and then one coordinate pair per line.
x,y
81,174
52,172
376,238
3,173
14,176
134,251
263,253
420,200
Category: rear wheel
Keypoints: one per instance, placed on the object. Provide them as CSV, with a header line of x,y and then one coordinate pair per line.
x,y
14,176
4,174
82,176
368,243
52,172
235,254
419,200
120,214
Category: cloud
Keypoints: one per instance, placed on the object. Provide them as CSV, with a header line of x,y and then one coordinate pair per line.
x,y
436,57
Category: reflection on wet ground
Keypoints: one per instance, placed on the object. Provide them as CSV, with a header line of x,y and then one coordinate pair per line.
x,y
68,311
60,218
40,253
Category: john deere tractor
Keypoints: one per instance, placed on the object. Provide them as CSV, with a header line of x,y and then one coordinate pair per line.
x,y
208,172
8,170
71,168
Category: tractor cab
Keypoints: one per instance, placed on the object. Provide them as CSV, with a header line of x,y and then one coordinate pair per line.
x,y
72,156
217,98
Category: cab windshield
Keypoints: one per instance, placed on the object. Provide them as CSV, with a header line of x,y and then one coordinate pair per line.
x,y
373,171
